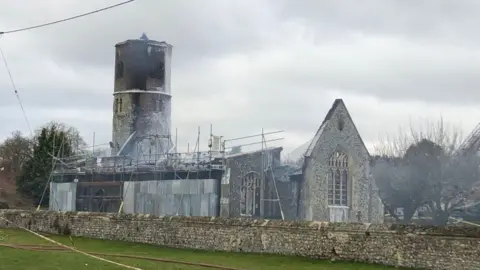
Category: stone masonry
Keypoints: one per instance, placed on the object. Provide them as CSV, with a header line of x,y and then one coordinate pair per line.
x,y
395,245
142,97
241,165
338,134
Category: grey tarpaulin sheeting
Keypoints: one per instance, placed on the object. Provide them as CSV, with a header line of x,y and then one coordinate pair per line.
x,y
62,196
185,197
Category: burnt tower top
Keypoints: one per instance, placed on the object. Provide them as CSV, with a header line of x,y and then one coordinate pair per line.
x,y
142,65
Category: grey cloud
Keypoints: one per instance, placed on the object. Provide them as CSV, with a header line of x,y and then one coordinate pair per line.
x,y
245,65
388,68
44,84
448,21
196,29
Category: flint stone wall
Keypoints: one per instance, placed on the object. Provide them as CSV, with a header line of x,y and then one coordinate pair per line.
x,y
407,246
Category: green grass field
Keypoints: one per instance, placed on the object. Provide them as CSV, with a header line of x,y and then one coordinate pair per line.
x,y
13,259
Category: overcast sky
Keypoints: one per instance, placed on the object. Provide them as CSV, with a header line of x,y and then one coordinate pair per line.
x,y
250,64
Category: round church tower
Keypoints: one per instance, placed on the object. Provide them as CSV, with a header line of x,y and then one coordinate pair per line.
x,y
142,98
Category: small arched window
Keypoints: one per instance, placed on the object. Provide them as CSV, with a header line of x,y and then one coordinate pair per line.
x,y
340,123
115,107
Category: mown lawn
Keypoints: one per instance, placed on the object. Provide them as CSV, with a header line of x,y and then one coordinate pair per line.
x,y
13,259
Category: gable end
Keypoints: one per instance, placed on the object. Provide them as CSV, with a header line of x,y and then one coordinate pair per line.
x,y
328,117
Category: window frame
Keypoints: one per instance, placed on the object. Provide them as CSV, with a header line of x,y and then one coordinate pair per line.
x,y
249,186
338,179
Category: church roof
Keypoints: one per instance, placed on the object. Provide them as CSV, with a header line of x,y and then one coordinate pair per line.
x,y
269,149
327,118
298,153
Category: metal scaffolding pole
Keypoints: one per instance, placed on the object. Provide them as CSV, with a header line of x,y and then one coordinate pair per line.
x,y
273,177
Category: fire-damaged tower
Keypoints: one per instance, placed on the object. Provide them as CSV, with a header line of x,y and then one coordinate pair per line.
x,y
142,99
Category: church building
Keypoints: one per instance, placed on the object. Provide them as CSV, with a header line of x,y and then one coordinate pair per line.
x,y
332,183
336,183
145,173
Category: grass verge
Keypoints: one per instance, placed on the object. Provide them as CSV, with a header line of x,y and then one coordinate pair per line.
x,y
43,260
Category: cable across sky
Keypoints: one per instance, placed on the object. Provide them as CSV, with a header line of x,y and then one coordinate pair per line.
x,y
2,55
15,90
66,19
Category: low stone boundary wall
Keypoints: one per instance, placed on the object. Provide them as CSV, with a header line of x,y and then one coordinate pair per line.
x,y
396,245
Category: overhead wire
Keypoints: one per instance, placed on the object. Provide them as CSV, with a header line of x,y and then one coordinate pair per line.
x,y
65,19
2,33
72,248
128,256
15,90
54,163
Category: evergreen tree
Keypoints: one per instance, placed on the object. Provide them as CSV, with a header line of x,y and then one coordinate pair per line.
x,y
53,141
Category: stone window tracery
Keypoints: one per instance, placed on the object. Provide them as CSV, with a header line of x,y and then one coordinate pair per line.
x,y
338,179
250,195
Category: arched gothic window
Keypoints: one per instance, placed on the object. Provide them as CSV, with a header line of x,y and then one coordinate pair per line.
x,y
338,179
250,195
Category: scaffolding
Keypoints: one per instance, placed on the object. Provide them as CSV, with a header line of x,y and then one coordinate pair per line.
x,y
270,167
267,163
471,141
101,180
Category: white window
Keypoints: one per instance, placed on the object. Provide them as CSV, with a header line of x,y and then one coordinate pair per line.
x,y
338,179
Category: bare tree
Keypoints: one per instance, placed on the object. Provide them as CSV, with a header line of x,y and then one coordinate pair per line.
x,y
14,151
454,184
446,136
423,167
